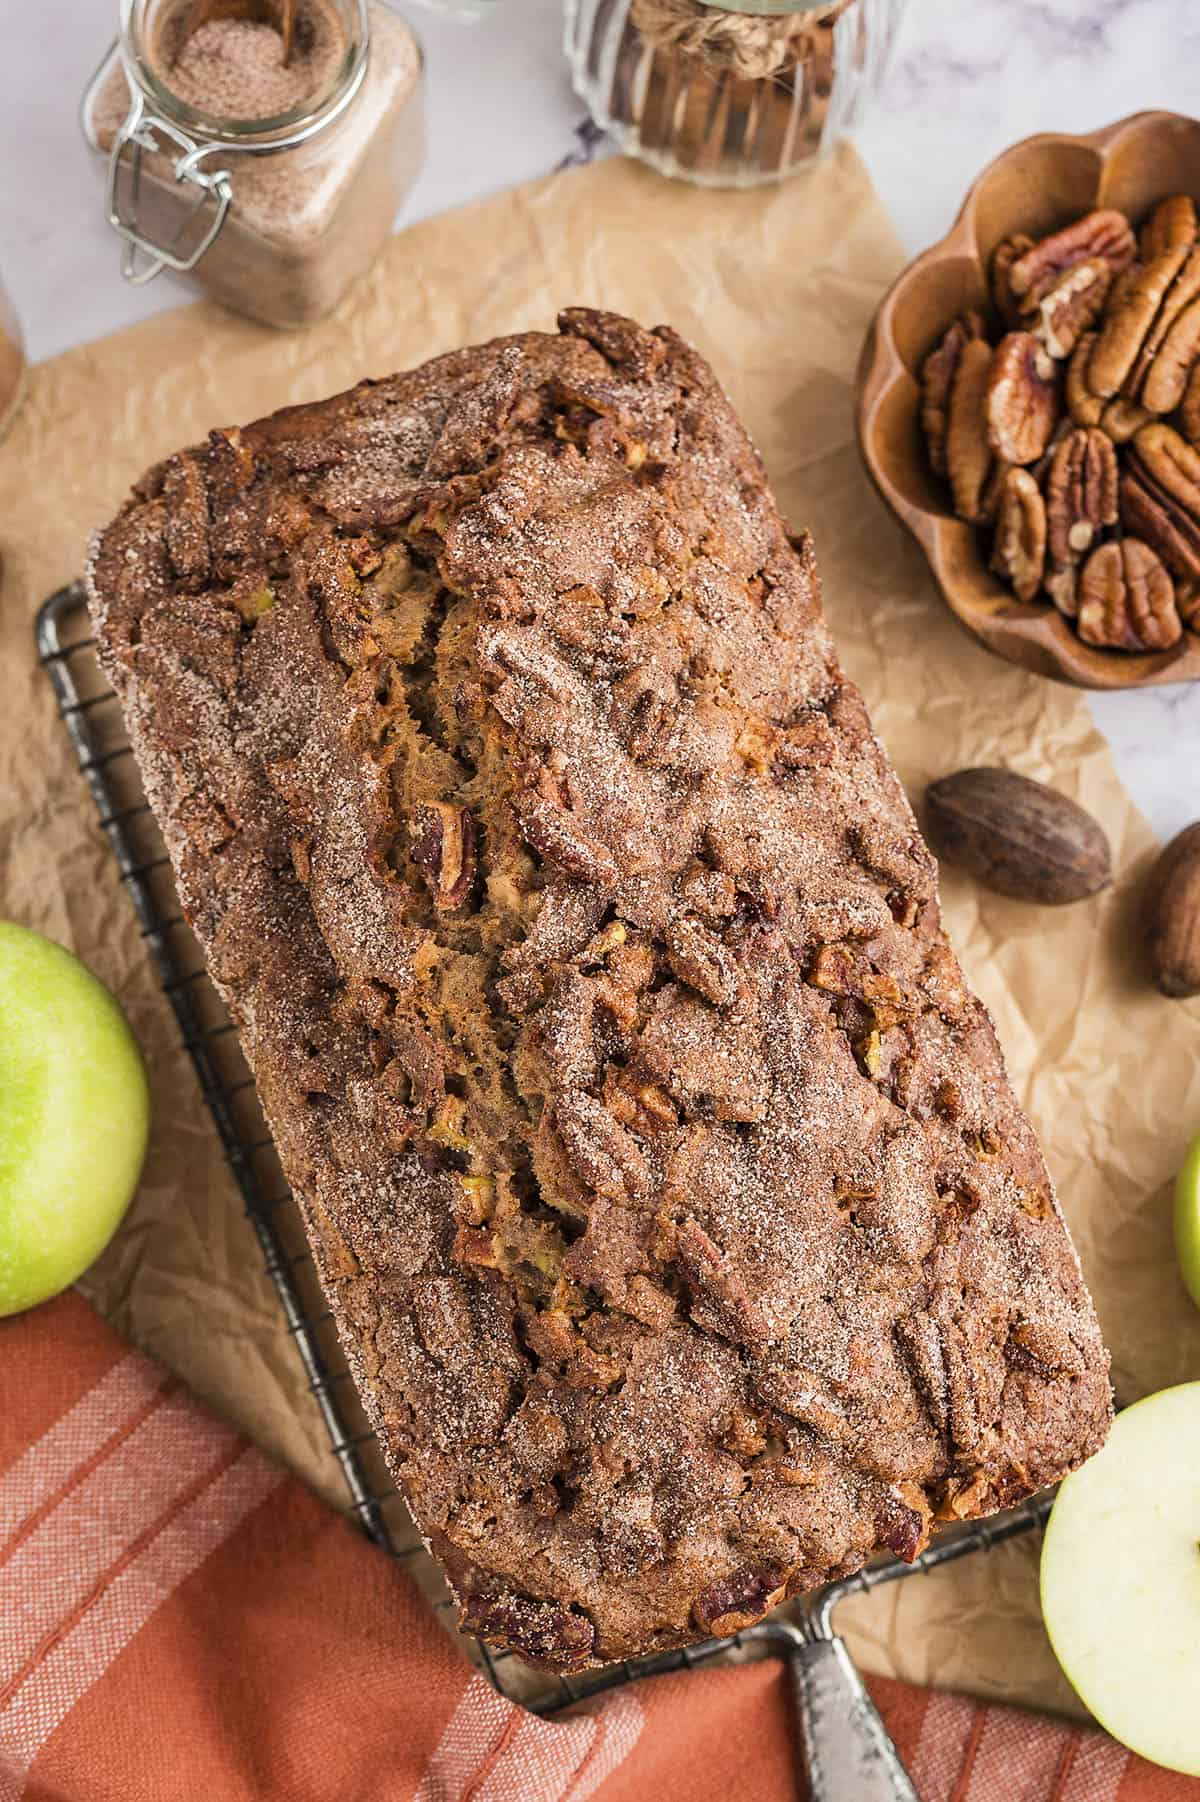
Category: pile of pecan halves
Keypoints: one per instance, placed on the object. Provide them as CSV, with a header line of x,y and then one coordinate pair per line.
x,y
1075,439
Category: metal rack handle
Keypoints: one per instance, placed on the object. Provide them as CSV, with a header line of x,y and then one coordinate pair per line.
x,y
846,1748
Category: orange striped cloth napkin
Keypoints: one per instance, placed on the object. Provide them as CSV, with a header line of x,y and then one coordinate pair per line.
x,y
181,1619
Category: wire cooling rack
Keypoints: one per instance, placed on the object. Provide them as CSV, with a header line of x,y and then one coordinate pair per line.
x,y
92,718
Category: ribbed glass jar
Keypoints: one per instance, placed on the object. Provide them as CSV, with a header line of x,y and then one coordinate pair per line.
x,y
12,362
730,96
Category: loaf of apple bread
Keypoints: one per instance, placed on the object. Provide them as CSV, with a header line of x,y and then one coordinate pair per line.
x,y
686,1240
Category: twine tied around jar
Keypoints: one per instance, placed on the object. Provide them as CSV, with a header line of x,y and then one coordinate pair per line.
x,y
753,46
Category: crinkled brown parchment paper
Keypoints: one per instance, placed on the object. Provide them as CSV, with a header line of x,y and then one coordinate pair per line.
x,y
776,288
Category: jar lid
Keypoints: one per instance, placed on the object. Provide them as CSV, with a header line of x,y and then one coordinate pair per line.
x,y
142,24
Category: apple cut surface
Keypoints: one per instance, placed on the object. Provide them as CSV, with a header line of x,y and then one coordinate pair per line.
x,y
1187,1221
74,1115
1121,1580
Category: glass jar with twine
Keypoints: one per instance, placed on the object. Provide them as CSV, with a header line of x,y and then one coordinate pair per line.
x,y
729,95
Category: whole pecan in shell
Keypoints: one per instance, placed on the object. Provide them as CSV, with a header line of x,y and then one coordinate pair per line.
x,y
1017,836
1127,599
1081,493
1172,222
1160,496
1070,305
937,380
1022,398
1104,233
968,453
1006,253
1129,320
1172,915
1019,551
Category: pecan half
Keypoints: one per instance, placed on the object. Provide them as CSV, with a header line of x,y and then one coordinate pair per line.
x,y
1062,585
603,1155
968,453
1084,407
1121,418
1173,222
1105,233
1127,599
1129,320
443,847
1019,551
1162,363
1187,599
1022,399
698,958
1004,256
1160,496
1189,406
1166,377
1070,305
937,380
1081,493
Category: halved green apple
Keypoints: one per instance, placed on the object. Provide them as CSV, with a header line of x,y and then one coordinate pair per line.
x,y
1121,1579
74,1115
1187,1221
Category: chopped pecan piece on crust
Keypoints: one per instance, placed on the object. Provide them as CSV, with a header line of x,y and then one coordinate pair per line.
x,y
1019,551
1071,305
737,1601
902,1521
1127,599
443,848
1160,497
968,453
1022,403
1081,493
544,1633
1104,233
1173,222
1006,253
937,379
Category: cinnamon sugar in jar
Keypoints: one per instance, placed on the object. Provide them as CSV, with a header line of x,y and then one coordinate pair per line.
x,y
273,185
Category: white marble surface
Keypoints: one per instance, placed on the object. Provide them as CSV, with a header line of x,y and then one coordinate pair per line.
x,y
969,77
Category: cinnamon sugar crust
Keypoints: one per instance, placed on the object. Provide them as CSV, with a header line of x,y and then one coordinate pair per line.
x,y
684,1235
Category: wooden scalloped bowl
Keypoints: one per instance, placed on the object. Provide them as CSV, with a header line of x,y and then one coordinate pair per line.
x,y
1036,187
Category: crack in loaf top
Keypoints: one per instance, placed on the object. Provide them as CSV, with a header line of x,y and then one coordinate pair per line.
x,y
685,1236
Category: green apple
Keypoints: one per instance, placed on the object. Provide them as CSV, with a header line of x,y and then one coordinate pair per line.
x,y
1187,1221
74,1114
1121,1579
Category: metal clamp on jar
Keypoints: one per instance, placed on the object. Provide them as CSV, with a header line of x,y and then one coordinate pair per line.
x,y
270,175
